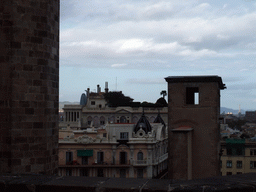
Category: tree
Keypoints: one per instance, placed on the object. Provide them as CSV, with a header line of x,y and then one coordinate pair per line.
x,y
164,93
115,99
161,102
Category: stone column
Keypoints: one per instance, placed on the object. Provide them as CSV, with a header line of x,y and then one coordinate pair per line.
x,y
29,84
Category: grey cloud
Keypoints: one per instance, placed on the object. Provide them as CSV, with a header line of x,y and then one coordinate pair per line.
x,y
146,81
242,87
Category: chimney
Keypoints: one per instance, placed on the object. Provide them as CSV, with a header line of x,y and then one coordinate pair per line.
x,y
98,88
106,87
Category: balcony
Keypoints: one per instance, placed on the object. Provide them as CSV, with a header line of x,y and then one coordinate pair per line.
x,y
160,159
140,163
75,164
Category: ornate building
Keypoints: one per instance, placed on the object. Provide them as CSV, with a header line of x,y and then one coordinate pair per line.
x,y
125,150
94,111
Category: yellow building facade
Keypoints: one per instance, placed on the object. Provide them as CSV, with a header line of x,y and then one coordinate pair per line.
x,y
238,156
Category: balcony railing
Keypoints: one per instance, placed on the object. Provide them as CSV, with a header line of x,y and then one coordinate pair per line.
x,y
96,164
160,159
140,162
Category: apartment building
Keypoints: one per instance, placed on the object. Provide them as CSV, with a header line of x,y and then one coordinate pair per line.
x,y
125,150
238,156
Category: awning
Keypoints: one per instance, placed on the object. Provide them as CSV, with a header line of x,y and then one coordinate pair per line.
x,y
84,153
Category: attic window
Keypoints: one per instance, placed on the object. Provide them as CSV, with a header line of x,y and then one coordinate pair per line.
x,y
192,96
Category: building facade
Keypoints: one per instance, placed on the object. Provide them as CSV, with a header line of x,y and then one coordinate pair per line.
x,y
250,116
238,156
123,150
194,132
94,111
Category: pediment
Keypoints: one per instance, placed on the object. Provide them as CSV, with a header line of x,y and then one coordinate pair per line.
x,y
123,111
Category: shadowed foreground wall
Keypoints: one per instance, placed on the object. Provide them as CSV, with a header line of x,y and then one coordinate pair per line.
x,y
41,183
29,83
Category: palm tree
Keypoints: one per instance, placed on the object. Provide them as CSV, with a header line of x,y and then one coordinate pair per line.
x,y
163,93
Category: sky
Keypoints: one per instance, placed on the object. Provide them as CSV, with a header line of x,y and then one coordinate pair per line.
x,y
135,44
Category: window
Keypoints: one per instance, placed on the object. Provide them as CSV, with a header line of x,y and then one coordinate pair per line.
x,y
192,96
239,151
253,152
123,157
139,173
124,135
229,173
100,157
122,173
68,172
252,164
92,102
104,134
221,163
229,164
85,160
239,173
69,158
239,164
89,120
100,173
84,172
123,119
140,156
102,120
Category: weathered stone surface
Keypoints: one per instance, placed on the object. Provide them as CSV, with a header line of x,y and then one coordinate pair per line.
x,y
28,34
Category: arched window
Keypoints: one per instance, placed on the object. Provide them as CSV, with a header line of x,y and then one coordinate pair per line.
x,y
134,119
140,156
123,119
102,120
112,119
96,121
123,157
89,120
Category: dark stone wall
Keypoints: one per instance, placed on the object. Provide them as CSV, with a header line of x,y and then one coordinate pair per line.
x,y
29,84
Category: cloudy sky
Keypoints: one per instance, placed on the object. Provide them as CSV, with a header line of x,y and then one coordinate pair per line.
x,y
135,44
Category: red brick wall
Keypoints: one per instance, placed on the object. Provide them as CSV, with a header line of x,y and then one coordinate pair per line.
x,y
29,80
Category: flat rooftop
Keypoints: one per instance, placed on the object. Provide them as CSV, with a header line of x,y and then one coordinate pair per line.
x,y
193,79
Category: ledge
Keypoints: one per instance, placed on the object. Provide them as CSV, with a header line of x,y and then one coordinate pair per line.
x,y
43,183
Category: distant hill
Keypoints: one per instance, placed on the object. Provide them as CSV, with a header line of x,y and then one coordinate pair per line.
x,y
226,110
62,103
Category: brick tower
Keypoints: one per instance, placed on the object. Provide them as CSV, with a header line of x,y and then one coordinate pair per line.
x,y
29,84
193,120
